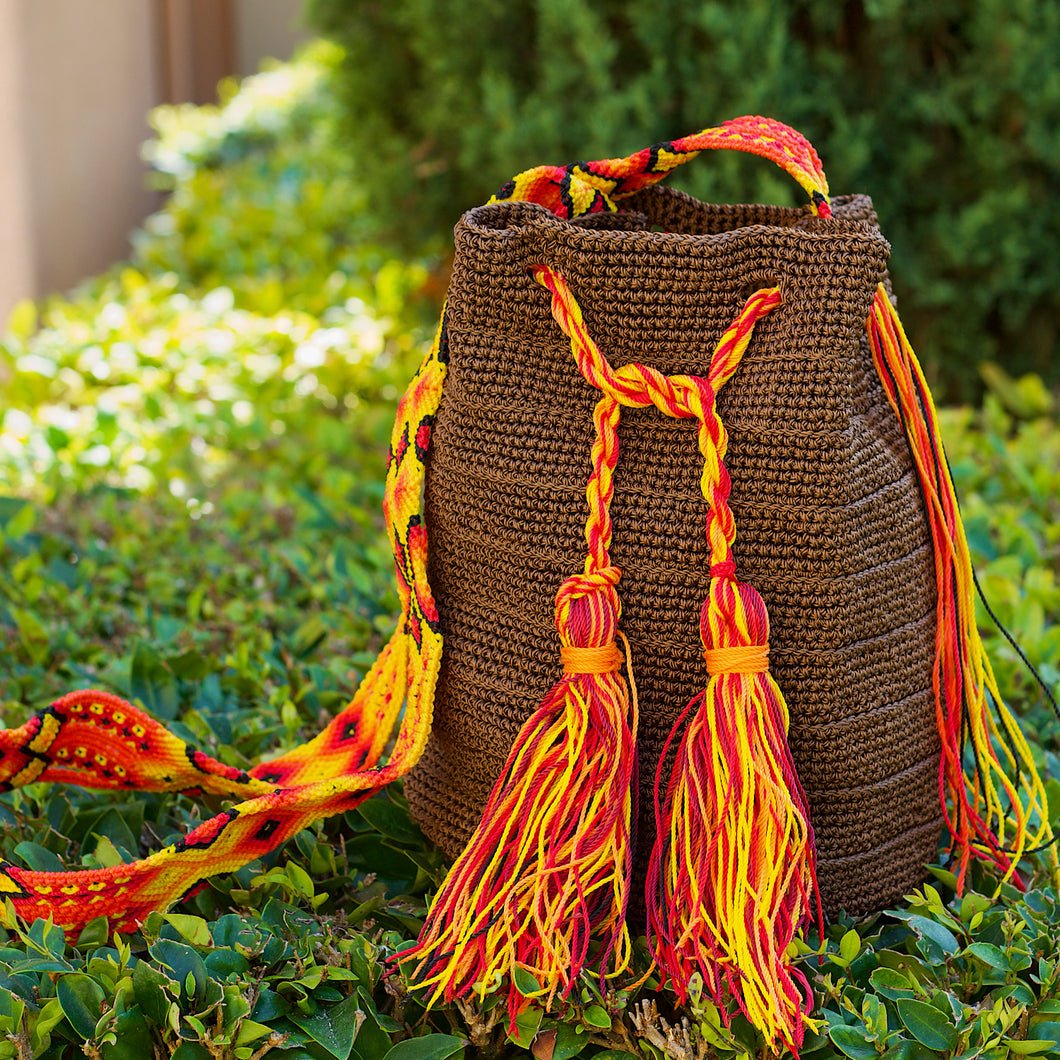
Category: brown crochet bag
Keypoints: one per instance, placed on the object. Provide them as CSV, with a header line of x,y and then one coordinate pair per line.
x,y
829,515
831,527
828,433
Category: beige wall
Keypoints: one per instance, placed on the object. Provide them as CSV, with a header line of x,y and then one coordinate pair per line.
x,y
266,27
17,262
88,79
77,78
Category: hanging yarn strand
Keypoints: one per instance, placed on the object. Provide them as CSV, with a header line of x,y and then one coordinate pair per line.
x,y
990,816
548,868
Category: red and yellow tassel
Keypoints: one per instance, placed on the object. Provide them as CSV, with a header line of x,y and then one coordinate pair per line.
x,y
989,815
548,868
731,877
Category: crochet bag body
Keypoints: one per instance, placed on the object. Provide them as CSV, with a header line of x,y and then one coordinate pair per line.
x,y
830,523
695,440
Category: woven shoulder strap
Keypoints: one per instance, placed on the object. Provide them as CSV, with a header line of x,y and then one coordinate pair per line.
x,y
592,187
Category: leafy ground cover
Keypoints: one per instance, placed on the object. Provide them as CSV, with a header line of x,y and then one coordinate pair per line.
x,y
191,459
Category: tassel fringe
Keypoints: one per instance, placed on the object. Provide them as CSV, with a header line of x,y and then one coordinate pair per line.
x,y
989,815
731,876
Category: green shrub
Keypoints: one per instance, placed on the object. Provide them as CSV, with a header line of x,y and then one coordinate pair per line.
x,y
190,476
945,112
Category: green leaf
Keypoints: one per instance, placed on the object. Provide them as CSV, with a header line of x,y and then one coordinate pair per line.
x,y
193,928
150,990
527,1024
1046,1030
373,1039
973,903
990,955
190,1051
184,962
391,820
106,853
596,1016
250,1031
151,682
51,1015
225,962
850,945
569,1043
925,1023
270,1006
81,998
932,930
32,634
429,1047
22,522
852,1042
94,933
334,1028
1029,1046
132,1039
524,981
22,319
48,937
38,858
386,1023
890,983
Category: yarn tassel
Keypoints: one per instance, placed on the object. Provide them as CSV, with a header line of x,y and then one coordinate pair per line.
x,y
731,877
989,815
548,868
732,874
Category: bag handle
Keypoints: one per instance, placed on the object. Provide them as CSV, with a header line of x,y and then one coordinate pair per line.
x,y
593,187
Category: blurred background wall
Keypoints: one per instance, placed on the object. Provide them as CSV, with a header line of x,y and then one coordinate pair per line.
x,y
76,83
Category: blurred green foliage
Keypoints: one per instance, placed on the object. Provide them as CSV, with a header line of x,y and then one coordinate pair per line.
x,y
191,465
946,111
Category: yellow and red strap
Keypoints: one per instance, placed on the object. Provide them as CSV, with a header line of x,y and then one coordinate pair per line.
x,y
98,740
593,187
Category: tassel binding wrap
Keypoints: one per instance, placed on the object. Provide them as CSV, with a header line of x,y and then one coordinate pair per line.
x,y
542,890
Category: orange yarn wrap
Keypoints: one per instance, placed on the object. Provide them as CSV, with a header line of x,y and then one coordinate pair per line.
x,y
603,660
744,659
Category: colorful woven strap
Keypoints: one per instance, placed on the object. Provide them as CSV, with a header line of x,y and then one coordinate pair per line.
x,y
592,187
98,740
